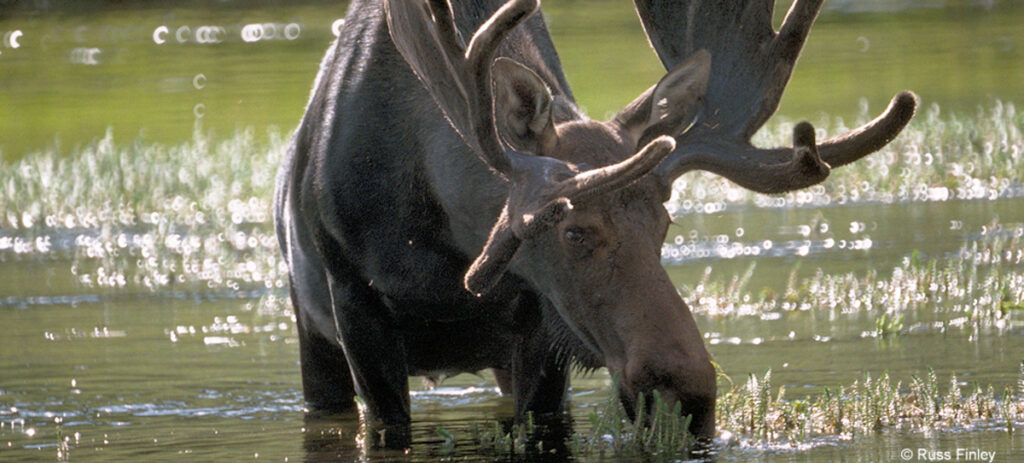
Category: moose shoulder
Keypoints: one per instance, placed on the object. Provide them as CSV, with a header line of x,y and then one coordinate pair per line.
x,y
446,207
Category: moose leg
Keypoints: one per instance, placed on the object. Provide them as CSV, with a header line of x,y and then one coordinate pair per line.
x,y
504,379
541,380
326,379
540,375
376,357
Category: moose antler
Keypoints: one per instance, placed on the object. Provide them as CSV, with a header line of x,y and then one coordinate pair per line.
x,y
459,78
752,64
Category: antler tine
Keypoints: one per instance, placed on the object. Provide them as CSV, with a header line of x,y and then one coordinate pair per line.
x,y
479,58
494,258
610,178
472,64
795,27
872,136
752,65
786,45
761,170
447,33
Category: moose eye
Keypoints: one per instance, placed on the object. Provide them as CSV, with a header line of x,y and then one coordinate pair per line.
x,y
575,236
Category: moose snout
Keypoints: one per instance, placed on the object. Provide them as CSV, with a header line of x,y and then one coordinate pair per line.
x,y
688,381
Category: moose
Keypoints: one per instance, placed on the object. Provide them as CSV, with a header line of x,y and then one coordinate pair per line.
x,y
446,207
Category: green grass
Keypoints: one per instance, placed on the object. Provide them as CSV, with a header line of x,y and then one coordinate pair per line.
x,y
980,287
759,415
148,215
756,414
663,434
198,213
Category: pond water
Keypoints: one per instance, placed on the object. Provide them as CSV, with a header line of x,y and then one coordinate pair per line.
x,y
146,320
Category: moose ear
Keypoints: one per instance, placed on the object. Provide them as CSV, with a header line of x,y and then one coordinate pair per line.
x,y
522,106
669,107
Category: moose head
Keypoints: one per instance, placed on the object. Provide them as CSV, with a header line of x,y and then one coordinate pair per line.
x,y
584,221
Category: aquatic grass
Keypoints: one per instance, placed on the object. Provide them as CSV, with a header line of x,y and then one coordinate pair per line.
x,y
107,183
447,441
938,157
756,414
660,434
189,216
63,441
494,438
978,287
660,430
888,325
196,216
519,438
752,415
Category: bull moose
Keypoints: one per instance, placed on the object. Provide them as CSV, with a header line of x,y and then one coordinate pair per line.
x,y
446,207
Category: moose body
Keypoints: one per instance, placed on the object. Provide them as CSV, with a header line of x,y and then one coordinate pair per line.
x,y
380,209
420,244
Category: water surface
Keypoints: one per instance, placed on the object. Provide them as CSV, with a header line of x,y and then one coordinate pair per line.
x,y
167,337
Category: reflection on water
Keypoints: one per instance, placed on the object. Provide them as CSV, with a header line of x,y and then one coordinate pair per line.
x,y
143,300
